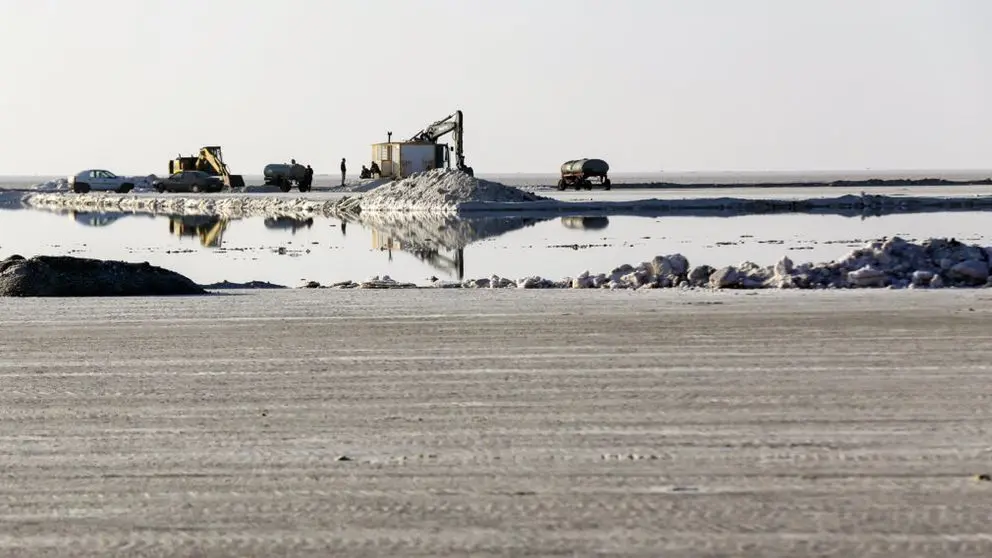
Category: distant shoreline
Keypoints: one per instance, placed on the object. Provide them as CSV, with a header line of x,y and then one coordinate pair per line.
x,y
866,183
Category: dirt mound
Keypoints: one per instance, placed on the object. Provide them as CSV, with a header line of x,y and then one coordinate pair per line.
x,y
442,190
66,276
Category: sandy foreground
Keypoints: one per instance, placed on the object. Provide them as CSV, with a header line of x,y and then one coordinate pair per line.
x,y
498,423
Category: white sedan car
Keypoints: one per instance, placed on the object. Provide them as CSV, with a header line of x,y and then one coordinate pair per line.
x,y
100,180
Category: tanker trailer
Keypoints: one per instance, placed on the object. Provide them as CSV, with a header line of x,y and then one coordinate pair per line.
x,y
577,174
285,176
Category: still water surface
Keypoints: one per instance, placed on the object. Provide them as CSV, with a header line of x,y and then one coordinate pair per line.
x,y
288,251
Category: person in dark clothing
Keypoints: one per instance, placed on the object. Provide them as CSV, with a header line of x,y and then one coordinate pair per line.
x,y
308,177
365,173
374,170
344,171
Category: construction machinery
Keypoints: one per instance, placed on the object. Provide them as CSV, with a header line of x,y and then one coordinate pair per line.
x,y
209,160
422,151
577,174
208,228
453,124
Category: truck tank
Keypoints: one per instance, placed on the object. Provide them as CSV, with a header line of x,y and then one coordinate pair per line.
x,y
284,171
591,167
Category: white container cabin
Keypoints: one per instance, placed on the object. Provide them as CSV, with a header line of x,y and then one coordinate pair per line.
x,y
400,159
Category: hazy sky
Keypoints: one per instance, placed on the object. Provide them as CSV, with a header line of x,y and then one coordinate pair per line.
x,y
645,84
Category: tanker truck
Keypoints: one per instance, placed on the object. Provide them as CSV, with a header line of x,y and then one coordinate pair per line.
x,y
285,176
577,174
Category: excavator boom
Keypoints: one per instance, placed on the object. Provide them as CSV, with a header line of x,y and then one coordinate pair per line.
x,y
452,124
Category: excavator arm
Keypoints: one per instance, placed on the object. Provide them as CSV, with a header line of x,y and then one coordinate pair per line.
x,y
212,156
452,124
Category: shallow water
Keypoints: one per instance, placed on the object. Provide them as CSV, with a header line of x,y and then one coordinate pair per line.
x,y
288,251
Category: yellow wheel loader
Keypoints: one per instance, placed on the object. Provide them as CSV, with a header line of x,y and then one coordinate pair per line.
x,y
211,161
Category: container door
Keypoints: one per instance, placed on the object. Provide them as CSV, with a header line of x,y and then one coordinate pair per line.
x,y
439,152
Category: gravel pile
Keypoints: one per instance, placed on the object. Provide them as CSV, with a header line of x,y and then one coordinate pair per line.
x,y
893,263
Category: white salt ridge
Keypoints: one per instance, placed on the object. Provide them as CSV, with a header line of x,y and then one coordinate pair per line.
x,y
360,186
234,206
439,190
893,263
321,204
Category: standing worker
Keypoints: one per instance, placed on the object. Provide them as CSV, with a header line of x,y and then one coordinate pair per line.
x,y
344,170
308,178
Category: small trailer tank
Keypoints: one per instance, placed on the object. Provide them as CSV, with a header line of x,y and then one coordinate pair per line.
x,y
284,175
576,173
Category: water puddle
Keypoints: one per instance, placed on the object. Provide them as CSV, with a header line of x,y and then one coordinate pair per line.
x,y
289,250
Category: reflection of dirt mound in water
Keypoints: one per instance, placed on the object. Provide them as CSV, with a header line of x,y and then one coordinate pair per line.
x,y
439,230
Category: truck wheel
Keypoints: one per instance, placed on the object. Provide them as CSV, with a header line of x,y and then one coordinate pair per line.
x,y
80,187
285,186
606,184
160,188
561,185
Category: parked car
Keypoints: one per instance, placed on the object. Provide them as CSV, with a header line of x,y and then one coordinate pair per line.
x,y
189,181
100,180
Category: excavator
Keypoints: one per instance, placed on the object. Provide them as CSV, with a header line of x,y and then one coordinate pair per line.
x,y
451,124
211,161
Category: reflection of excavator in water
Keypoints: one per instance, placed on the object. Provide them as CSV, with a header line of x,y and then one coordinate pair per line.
x,y
209,228
433,257
211,161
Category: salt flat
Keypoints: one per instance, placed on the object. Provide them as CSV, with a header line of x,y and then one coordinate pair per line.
x,y
658,423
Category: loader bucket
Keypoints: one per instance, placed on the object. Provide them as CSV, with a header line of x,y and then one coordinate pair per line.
x,y
234,181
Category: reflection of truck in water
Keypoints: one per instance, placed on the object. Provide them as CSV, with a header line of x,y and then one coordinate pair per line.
x,y
577,174
285,176
586,223
93,219
290,223
208,228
